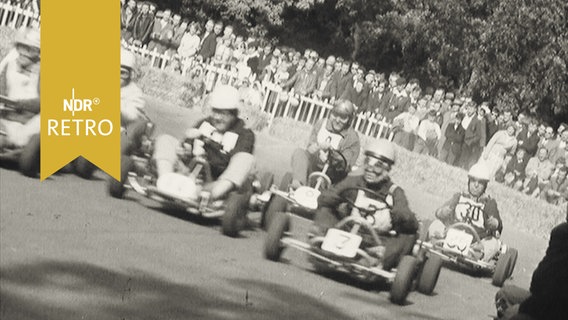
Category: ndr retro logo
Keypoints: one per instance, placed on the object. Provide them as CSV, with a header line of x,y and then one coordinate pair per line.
x,y
79,127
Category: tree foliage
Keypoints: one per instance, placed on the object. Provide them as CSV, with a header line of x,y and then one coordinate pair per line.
x,y
510,52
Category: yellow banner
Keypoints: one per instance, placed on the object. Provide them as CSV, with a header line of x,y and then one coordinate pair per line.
x,y
80,84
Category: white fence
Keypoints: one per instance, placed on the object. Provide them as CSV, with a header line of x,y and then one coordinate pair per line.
x,y
14,16
276,102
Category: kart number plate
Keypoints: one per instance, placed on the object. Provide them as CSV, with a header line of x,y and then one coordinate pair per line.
x,y
458,241
341,243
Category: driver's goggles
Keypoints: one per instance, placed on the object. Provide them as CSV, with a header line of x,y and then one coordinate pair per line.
x,y
376,163
341,117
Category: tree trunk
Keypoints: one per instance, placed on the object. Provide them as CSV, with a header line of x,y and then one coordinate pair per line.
x,y
357,39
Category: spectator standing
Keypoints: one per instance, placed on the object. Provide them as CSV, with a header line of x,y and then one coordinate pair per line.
x,y
549,142
127,18
502,143
189,45
160,31
398,101
528,137
324,87
142,28
343,80
514,172
454,133
472,136
208,42
404,128
428,135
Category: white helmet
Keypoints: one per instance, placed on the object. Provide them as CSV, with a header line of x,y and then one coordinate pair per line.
x,y
479,171
127,59
224,97
28,36
381,149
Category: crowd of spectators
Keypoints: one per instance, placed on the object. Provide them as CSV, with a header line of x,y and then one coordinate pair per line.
x,y
522,152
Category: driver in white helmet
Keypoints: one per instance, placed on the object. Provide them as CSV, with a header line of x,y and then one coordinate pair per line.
x,y
20,70
395,214
230,153
132,104
475,208
334,133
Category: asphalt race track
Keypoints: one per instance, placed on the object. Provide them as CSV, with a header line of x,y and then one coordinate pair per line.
x,y
70,251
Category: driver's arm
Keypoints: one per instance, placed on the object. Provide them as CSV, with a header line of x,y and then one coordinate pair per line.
x,y
491,210
351,148
31,105
446,212
330,198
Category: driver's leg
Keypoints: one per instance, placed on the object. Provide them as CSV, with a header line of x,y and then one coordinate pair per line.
x,y
237,172
301,163
165,154
396,248
490,247
324,219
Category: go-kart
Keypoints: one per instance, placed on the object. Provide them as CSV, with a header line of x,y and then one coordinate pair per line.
x,y
457,249
353,246
302,201
27,157
183,189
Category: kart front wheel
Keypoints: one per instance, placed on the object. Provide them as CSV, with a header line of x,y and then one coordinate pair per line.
x,y
403,280
272,246
504,268
235,211
84,168
29,158
430,273
276,206
116,188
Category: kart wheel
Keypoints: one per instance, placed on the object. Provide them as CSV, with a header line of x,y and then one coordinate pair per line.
x,y
504,267
272,246
116,188
514,256
276,206
403,280
286,181
430,273
266,180
236,207
84,168
29,158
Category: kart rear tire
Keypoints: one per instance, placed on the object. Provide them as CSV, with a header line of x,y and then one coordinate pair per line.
x,y
84,168
504,267
272,246
236,207
429,275
29,160
116,188
402,283
266,181
514,256
276,206
286,181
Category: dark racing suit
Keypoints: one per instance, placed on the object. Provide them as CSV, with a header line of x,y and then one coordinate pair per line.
x,y
403,220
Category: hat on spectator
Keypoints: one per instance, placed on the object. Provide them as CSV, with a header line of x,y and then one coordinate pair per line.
x,y
485,108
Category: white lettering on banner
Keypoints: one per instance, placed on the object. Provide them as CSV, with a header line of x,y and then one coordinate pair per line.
x,y
469,211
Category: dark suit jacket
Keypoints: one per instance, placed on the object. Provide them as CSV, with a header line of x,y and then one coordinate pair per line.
x,y
454,138
143,25
208,46
473,133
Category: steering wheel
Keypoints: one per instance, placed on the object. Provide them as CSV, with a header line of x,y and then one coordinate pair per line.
x,y
350,195
467,228
336,160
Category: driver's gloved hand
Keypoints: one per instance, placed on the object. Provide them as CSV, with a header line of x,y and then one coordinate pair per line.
x,y
193,133
344,209
184,150
492,223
